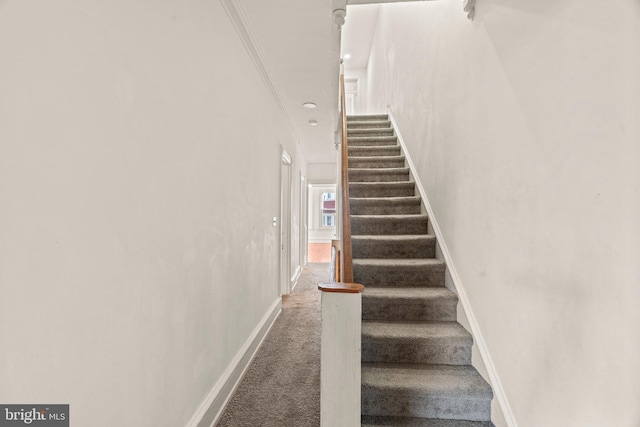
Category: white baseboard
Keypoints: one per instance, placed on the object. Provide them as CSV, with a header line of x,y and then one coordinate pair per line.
x,y
211,408
498,390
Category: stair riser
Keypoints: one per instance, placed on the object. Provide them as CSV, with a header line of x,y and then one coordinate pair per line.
x,y
372,141
447,351
384,209
407,309
367,124
398,403
390,150
416,248
382,190
376,162
393,226
378,177
391,276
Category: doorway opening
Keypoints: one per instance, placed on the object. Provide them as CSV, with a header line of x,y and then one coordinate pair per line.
x,y
321,221
285,223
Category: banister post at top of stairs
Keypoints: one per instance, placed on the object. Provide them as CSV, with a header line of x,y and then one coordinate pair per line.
x,y
340,355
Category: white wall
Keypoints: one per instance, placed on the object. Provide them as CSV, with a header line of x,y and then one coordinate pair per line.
x,y
524,128
137,253
322,173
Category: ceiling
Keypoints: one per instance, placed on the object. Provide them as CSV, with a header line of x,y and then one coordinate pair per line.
x,y
298,45
296,42
357,34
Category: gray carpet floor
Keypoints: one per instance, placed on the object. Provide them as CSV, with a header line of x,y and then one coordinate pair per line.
x,y
282,385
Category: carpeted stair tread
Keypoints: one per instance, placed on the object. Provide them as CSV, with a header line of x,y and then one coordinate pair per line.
x,y
378,174
367,117
370,132
369,421
389,224
416,357
427,391
381,189
370,141
393,246
409,304
400,263
409,205
411,342
369,151
409,293
359,124
399,272
376,162
454,380
415,330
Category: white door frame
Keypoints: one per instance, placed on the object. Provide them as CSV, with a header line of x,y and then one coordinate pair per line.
x,y
284,286
304,191
352,95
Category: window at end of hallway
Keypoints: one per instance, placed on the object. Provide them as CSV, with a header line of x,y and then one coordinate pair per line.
x,y
328,209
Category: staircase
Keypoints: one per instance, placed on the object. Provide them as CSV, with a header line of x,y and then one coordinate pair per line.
x,y
416,359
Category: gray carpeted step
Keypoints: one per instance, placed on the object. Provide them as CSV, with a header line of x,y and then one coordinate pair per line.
x,y
373,117
360,124
409,304
382,189
377,162
370,141
399,272
431,342
373,151
416,357
378,174
388,224
385,205
393,246
370,132
370,421
426,391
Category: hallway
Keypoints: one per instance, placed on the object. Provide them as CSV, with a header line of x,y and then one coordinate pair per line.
x,y
282,385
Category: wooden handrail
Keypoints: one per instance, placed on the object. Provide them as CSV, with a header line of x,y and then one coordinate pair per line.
x,y
345,256
342,288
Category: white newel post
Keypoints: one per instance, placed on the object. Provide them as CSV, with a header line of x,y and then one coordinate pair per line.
x,y
340,354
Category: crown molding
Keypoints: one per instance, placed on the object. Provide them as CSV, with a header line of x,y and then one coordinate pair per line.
x,y
243,27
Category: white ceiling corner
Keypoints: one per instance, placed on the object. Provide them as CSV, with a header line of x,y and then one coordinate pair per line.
x,y
240,22
357,34
293,47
